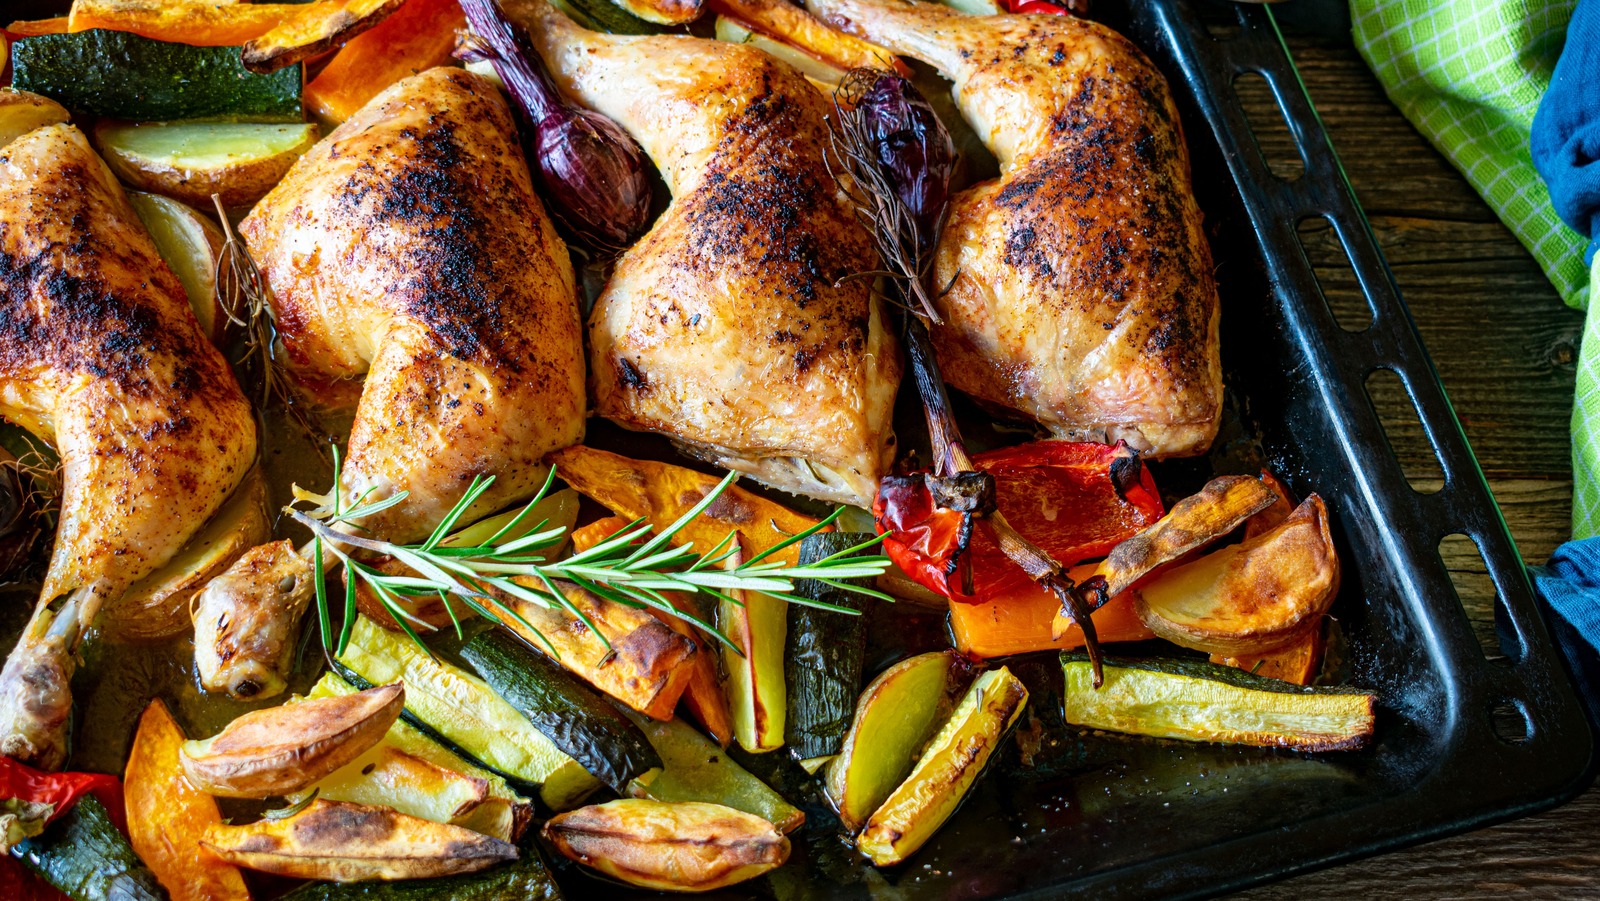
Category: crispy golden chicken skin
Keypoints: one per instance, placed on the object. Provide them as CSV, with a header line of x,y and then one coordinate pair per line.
x,y
408,247
725,327
101,356
1085,297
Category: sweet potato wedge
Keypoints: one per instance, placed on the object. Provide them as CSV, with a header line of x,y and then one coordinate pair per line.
x,y
791,24
1298,662
342,842
280,750
312,29
196,24
167,816
1248,597
684,846
32,28
420,35
1026,622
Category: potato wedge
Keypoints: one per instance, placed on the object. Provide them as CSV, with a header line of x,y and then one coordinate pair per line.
x,y
314,28
167,816
1219,508
190,243
1249,597
386,776
694,769
23,111
341,842
281,750
685,846
157,606
190,161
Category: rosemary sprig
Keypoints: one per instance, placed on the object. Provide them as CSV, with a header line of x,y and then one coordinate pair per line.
x,y
630,566
246,299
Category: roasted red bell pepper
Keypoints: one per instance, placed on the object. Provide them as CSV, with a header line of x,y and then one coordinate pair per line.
x,y
1044,7
1058,494
29,800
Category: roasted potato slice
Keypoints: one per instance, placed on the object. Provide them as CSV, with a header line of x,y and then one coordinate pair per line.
x,y
341,842
22,111
1249,597
238,161
281,750
684,846
313,29
191,244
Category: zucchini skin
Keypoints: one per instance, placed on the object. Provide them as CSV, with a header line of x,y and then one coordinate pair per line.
x,y
125,76
527,877
83,855
604,15
824,655
1232,707
576,719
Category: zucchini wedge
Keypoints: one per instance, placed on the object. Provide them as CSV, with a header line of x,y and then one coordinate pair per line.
x,y
1193,700
695,769
83,855
947,770
190,161
442,795
459,709
823,656
125,76
894,719
573,716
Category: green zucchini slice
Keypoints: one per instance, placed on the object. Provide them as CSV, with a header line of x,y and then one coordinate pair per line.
x,y
573,716
459,709
125,76
1193,700
83,855
823,655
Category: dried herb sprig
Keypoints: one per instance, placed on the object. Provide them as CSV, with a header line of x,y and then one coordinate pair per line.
x,y
896,159
246,299
630,566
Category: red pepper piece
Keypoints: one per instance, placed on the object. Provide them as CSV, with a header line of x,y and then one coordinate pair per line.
x,y
59,791
1030,7
1057,494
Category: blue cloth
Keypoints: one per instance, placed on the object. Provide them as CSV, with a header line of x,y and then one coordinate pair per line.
x,y
1570,582
1565,142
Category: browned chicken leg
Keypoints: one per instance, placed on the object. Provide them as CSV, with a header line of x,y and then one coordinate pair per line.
x,y
408,247
725,327
1085,296
101,356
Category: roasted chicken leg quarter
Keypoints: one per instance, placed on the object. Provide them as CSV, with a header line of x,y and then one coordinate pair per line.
x,y
101,356
1083,293
727,327
408,248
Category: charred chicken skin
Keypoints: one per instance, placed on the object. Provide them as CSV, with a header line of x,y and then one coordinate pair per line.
x,y
100,356
408,247
727,328
1081,283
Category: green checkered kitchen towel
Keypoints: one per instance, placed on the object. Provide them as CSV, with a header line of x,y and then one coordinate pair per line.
x,y
1469,75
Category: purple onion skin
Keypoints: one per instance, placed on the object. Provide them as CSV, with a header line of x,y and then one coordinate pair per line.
x,y
915,150
595,177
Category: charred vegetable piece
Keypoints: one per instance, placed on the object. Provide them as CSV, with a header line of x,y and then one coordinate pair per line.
x,y
22,112
280,750
524,879
432,793
677,847
167,815
1275,513
1194,700
341,842
457,708
1194,522
125,76
190,161
894,719
313,28
84,855
575,718
947,770
695,769
823,656
420,35
1249,597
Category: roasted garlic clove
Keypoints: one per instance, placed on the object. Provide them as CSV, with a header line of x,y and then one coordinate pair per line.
x,y
670,847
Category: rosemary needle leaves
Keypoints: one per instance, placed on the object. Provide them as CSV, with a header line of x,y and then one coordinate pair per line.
x,y
630,566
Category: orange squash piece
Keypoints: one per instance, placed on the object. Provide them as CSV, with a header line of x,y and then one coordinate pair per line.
x,y
167,816
196,24
32,28
1299,661
420,35
1022,621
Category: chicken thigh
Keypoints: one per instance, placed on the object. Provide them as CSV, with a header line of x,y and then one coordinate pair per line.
x,y
101,356
1083,293
727,328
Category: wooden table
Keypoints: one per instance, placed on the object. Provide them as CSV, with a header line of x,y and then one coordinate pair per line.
x,y
1506,348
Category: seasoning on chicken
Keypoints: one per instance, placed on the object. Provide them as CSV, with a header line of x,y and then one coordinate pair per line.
x,y
726,328
101,356
1085,297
